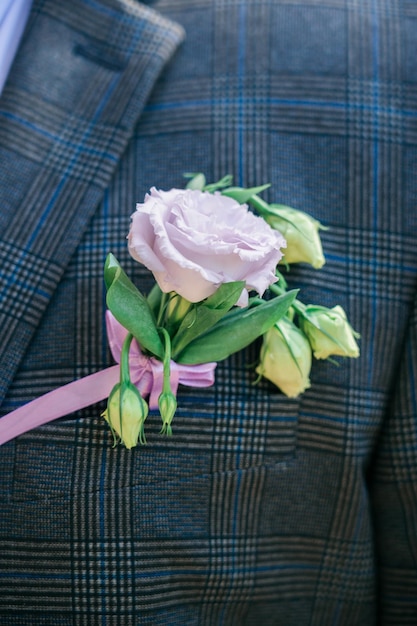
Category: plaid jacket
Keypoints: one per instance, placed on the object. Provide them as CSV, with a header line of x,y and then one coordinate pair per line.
x,y
260,509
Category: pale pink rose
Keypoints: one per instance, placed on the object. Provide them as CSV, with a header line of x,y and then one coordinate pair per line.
x,y
193,241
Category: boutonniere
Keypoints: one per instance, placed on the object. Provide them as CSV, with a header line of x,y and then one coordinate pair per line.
x,y
217,253
218,288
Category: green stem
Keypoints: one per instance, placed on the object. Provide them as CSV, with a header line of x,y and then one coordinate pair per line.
x,y
162,308
299,307
167,360
124,360
260,205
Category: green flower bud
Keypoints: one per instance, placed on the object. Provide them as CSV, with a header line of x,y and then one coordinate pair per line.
x,y
177,309
126,414
167,403
301,232
329,332
285,358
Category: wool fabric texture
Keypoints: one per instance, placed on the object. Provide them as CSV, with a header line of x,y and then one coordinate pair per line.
x,y
260,509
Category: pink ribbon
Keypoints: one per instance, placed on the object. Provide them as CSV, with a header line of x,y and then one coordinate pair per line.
x,y
145,372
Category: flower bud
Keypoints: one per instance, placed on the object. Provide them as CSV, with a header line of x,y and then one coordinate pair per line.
x,y
177,309
329,332
285,358
126,413
301,232
167,403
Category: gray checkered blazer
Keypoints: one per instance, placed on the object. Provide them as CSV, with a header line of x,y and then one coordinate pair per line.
x,y
260,510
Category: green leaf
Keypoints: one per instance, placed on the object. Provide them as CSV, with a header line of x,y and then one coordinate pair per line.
x,y
154,298
130,307
206,314
242,195
236,331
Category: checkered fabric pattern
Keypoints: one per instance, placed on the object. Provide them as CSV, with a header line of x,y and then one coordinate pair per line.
x,y
259,509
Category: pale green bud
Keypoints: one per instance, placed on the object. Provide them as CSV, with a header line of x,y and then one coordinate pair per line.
x,y
285,358
177,309
167,403
126,414
329,332
301,232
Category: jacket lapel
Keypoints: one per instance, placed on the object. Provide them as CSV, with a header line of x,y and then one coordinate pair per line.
x,y
77,88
